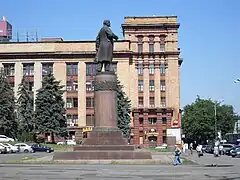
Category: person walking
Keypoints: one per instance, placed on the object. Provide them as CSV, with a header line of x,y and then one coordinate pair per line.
x,y
177,153
191,148
199,150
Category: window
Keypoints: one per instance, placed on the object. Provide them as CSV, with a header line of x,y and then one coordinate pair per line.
x,y
164,132
72,69
91,69
72,120
152,120
151,69
28,69
140,120
72,85
152,101
140,48
72,102
162,85
89,86
9,69
164,139
162,43
164,120
151,85
151,48
140,85
151,44
140,44
162,47
90,121
47,68
140,101
89,102
163,101
140,69
114,67
30,85
162,69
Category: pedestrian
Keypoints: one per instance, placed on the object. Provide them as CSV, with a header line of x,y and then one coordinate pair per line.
x,y
177,153
221,152
199,150
191,147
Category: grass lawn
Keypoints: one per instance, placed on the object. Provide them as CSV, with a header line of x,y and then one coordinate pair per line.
x,y
158,150
59,147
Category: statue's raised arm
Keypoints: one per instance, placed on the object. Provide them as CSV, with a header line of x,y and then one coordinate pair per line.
x,y
104,46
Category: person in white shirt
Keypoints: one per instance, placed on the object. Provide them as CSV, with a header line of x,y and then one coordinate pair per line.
x,y
199,150
221,149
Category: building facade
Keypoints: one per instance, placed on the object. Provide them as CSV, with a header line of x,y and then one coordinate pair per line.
x,y
147,63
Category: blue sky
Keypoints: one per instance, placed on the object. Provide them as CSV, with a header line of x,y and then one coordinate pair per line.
x,y
209,34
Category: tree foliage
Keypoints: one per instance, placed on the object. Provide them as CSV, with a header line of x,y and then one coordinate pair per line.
x,y
198,121
25,110
123,111
50,114
8,123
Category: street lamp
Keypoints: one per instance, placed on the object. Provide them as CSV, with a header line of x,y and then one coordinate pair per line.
x,y
215,115
237,80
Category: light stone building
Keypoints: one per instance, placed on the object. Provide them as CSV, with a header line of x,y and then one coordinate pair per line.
x,y
147,63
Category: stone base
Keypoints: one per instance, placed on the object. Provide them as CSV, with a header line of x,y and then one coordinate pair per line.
x,y
90,155
104,148
103,143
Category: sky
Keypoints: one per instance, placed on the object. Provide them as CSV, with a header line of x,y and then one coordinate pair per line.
x,y
209,35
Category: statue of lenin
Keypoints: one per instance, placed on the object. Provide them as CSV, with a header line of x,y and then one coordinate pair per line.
x,y
104,47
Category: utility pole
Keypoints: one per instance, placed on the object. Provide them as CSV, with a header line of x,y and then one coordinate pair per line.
x,y
215,117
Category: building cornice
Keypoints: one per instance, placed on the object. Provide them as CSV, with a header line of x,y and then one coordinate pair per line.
x,y
160,25
58,42
60,55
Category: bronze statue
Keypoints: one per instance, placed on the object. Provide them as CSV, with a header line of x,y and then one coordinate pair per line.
x,y
104,47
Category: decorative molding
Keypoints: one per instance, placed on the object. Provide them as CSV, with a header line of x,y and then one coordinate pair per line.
x,y
105,85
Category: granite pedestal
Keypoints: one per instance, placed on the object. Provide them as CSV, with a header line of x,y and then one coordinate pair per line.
x,y
106,140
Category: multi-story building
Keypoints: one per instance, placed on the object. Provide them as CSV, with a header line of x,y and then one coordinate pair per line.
x,y
147,63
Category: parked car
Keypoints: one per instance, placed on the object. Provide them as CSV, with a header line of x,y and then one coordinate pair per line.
x,y
229,153
209,149
40,148
14,149
8,149
227,148
4,138
204,148
24,147
67,142
236,152
3,150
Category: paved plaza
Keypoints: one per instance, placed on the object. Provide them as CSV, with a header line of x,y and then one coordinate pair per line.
x,y
114,172
228,168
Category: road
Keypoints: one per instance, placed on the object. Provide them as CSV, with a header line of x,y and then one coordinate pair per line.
x,y
4,158
208,159
115,172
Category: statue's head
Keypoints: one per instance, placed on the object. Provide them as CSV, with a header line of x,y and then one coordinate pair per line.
x,y
107,23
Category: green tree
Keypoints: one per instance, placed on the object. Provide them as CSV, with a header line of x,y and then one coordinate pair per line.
x,y
8,123
198,120
25,110
50,114
123,111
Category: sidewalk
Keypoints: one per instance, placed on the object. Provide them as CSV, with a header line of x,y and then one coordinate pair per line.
x,y
157,158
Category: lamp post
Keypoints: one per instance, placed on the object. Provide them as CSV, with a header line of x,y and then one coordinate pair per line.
x,y
215,115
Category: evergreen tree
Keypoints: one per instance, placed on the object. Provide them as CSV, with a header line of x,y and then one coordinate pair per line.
x,y
123,111
49,108
25,110
8,123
